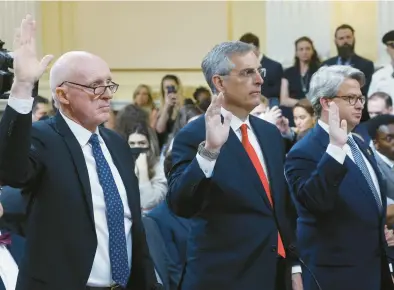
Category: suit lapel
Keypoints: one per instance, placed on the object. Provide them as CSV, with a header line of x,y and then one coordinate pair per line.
x,y
239,153
17,248
76,153
124,174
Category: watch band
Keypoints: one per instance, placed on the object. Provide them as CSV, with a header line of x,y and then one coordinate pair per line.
x,y
206,154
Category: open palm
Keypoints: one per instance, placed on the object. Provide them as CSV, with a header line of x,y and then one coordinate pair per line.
x,y
216,131
337,128
27,68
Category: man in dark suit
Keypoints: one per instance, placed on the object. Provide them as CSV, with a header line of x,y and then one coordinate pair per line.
x,y
85,230
338,190
272,82
227,176
345,43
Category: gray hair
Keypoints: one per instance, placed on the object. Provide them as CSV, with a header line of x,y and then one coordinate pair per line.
x,y
217,61
326,81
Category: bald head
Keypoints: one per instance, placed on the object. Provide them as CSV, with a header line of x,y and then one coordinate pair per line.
x,y
73,66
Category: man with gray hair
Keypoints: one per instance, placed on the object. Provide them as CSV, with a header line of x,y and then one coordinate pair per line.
x,y
227,176
338,190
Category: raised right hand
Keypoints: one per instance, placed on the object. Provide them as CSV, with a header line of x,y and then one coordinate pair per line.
x,y
216,131
337,127
27,68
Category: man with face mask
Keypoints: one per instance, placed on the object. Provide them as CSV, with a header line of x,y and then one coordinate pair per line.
x,y
345,42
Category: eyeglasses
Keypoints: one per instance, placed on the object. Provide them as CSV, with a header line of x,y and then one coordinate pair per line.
x,y
352,100
99,90
253,72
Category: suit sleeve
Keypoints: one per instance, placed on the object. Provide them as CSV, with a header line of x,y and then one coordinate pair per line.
x,y
19,158
186,176
314,183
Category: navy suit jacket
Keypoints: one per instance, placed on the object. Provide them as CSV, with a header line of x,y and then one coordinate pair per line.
x,y
16,249
234,231
367,67
340,232
61,237
272,82
175,232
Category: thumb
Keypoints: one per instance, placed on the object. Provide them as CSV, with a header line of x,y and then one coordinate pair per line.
x,y
227,119
344,125
46,60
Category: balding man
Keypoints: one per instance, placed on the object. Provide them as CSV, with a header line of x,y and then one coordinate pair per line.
x,y
85,229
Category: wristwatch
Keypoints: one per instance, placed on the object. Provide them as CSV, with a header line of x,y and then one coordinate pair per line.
x,y
206,154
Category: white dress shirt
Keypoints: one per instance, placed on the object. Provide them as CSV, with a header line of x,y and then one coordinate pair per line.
x,y
383,81
207,166
390,163
8,268
100,275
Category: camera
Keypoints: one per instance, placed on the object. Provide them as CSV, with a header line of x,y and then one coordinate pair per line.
x,y
7,76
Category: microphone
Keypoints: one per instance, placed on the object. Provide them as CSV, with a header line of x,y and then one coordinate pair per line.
x,y
295,254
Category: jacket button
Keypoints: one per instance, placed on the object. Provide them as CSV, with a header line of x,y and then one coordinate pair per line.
x,y
274,249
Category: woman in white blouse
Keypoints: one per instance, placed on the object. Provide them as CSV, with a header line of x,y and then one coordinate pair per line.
x,y
149,170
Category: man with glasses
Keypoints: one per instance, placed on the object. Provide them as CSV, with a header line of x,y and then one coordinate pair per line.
x,y
85,230
338,190
383,79
227,177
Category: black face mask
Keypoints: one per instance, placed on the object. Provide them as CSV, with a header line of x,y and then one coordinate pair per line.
x,y
345,51
204,104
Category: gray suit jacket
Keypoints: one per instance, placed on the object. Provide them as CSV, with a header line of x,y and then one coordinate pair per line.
x,y
388,175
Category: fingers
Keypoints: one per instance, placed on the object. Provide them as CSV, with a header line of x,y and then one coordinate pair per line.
x,y
27,29
46,60
344,125
17,39
216,104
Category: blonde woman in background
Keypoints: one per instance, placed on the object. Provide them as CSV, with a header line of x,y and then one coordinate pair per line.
x,y
142,97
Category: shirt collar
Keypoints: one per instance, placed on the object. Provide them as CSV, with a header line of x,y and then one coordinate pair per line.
x,y
235,121
389,162
81,134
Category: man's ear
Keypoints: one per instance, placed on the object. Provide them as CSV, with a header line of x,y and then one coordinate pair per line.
x,y
62,96
218,83
324,103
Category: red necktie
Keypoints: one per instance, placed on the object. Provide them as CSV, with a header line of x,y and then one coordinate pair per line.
x,y
5,239
260,171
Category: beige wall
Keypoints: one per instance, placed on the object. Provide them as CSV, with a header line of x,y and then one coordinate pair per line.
x,y
142,41
138,38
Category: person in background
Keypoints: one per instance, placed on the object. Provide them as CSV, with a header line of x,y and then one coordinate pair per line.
x,y
130,116
171,101
338,190
383,78
272,82
40,108
296,79
379,103
304,118
345,42
149,171
202,96
142,97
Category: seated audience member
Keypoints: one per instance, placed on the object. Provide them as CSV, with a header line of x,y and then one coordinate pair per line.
x,y
171,101
12,249
129,117
203,98
142,97
304,118
186,114
381,130
40,108
295,84
164,266
174,229
149,170
379,103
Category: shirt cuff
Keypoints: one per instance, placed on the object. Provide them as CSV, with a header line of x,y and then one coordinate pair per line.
x,y
296,270
158,278
22,106
206,165
391,268
390,201
337,153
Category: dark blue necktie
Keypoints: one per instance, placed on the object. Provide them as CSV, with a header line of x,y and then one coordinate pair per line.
x,y
115,216
359,160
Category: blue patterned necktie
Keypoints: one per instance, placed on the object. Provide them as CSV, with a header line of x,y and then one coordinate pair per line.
x,y
115,216
359,160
